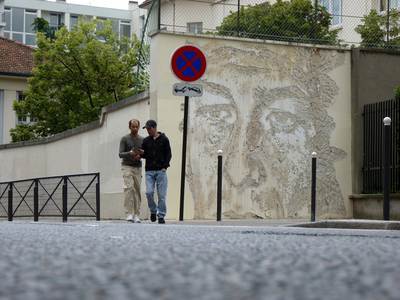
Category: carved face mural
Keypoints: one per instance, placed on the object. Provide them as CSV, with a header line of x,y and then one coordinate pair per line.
x,y
267,110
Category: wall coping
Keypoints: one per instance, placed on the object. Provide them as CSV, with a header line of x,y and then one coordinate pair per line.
x,y
379,50
83,128
394,196
249,40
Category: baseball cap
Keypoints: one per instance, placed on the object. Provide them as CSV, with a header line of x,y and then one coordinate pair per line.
x,y
150,124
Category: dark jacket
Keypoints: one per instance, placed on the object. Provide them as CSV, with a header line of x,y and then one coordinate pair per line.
x,y
157,152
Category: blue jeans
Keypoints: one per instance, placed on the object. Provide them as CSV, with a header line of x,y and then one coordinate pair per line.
x,y
158,178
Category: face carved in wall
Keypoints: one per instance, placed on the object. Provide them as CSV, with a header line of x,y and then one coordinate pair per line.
x,y
267,111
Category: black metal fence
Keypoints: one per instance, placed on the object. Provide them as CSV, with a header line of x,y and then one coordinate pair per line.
x,y
57,196
373,135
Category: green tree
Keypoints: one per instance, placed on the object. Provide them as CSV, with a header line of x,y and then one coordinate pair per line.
x,y
397,92
41,25
76,74
294,20
373,30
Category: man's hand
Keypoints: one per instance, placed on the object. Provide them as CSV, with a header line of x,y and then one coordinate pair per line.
x,y
135,154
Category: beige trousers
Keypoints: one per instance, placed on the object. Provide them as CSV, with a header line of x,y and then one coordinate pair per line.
x,y
132,180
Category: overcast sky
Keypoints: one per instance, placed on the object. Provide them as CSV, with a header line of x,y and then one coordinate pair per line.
x,y
121,4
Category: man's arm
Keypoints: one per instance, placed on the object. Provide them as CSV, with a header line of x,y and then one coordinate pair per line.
x,y
122,150
168,154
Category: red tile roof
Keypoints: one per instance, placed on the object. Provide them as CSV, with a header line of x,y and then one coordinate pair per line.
x,y
15,58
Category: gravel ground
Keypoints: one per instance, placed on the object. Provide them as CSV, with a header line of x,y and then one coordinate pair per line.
x,y
116,260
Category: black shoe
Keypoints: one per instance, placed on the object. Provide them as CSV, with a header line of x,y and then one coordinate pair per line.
x,y
153,217
161,221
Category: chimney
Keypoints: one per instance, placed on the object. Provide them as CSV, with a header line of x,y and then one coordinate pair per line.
x,y
133,8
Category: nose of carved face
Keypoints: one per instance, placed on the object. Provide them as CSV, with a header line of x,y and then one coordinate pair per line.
x,y
244,168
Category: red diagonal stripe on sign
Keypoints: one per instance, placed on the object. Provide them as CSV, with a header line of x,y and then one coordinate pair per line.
x,y
189,63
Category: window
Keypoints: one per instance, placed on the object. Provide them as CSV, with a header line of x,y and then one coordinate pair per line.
x,y
30,37
73,21
17,22
55,21
125,29
392,4
19,37
142,23
195,27
7,18
21,119
334,7
19,25
100,23
115,26
30,40
30,16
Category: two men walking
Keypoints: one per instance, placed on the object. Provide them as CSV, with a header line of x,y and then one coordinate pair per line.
x,y
157,151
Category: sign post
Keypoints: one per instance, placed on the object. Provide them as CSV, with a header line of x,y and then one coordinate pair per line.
x,y
188,63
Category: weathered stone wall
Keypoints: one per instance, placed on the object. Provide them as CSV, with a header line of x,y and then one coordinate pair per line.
x,y
268,107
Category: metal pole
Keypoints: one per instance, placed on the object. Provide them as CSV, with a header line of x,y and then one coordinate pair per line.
x,y
386,169
64,200
159,16
10,202
238,18
388,22
313,185
183,168
219,186
36,201
98,198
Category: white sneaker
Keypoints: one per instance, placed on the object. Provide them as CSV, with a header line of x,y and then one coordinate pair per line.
x,y
136,219
129,218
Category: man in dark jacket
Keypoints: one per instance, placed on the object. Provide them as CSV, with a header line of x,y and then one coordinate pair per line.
x,y
157,152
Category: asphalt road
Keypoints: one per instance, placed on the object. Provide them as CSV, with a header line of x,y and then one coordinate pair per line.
x,y
115,260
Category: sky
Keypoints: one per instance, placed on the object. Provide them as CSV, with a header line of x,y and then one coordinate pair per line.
x,y
121,4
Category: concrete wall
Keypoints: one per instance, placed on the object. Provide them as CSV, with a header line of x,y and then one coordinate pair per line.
x,y
10,86
375,75
91,148
371,207
267,106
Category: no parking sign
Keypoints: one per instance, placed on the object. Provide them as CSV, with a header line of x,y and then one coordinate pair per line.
x,y
188,63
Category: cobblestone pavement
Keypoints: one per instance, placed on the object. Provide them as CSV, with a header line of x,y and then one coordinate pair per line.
x,y
115,260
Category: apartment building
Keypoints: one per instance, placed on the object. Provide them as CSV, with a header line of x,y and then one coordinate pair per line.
x,y
16,17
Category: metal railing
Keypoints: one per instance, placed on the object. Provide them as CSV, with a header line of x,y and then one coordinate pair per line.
x,y
56,196
373,149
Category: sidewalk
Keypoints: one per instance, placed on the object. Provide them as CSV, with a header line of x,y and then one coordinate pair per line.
x,y
242,222
337,224
305,223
